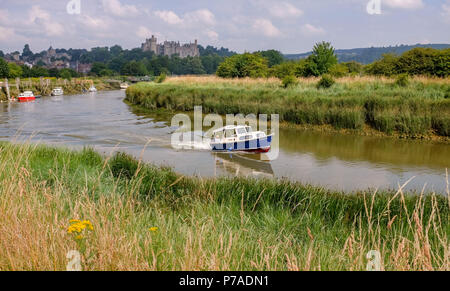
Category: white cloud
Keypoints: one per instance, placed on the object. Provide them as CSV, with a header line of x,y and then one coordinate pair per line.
x,y
114,7
212,34
6,33
143,32
202,16
169,16
94,22
4,16
404,4
41,18
446,11
311,30
266,27
284,9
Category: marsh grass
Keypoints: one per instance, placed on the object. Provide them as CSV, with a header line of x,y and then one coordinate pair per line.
x,y
213,224
420,108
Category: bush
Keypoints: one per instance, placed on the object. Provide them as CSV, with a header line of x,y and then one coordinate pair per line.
x,y
338,71
161,78
289,81
402,80
325,82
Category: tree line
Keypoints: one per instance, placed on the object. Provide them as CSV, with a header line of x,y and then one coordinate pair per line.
x,y
323,60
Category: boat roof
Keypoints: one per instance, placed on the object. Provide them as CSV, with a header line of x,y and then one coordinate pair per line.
x,y
230,127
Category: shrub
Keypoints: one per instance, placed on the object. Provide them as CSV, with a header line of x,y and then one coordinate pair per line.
x,y
161,78
289,81
338,71
402,80
325,82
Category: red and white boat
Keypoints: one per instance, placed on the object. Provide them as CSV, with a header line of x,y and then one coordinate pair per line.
x,y
26,96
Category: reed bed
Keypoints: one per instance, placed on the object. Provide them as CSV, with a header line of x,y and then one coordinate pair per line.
x,y
417,110
148,218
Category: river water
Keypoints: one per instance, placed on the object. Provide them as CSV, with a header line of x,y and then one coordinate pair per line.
x,y
339,162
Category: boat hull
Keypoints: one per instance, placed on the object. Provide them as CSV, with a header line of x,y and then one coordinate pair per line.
x,y
26,99
260,145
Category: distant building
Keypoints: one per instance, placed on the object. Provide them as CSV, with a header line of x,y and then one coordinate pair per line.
x,y
170,48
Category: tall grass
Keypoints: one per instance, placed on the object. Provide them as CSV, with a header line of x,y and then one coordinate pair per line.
x,y
214,224
418,109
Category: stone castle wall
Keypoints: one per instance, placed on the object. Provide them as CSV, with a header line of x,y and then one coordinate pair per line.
x,y
170,48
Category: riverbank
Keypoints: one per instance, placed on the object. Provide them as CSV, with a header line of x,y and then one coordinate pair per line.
x,y
375,106
149,218
45,86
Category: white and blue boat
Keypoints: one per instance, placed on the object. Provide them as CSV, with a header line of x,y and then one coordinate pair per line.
x,y
240,139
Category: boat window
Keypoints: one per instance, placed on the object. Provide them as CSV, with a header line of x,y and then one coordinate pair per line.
x,y
241,130
249,129
230,133
218,134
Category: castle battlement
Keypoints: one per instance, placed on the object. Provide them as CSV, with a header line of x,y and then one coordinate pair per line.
x,y
170,48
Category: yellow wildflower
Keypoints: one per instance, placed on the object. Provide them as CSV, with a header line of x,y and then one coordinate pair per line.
x,y
79,237
153,229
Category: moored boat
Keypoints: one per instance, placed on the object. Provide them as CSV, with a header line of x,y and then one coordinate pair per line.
x,y
26,96
240,138
92,89
124,86
57,91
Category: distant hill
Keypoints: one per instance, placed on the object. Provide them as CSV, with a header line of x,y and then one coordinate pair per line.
x,y
369,55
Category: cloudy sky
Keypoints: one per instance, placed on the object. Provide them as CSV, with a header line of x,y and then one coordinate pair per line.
x,y
291,26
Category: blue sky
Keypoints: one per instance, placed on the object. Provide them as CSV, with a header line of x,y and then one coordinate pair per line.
x,y
241,25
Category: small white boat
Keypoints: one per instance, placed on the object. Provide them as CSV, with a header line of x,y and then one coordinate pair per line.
x,y
124,86
92,89
57,91
26,96
240,138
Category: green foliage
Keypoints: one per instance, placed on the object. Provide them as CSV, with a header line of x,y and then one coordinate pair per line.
x,y
134,68
402,80
323,58
241,66
273,57
15,71
414,110
283,70
419,61
354,68
65,75
326,82
4,68
289,81
339,71
26,51
161,78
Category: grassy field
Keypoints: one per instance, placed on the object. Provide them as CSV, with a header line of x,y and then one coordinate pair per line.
x,y
421,109
134,216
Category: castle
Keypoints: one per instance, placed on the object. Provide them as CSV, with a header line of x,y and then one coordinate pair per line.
x,y
169,48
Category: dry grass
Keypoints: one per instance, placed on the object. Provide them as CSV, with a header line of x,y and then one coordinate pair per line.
x,y
199,233
201,80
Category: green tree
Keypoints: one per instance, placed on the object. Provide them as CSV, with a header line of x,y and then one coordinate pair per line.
x,y
65,75
15,71
97,68
323,58
273,57
338,71
244,65
4,69
387,66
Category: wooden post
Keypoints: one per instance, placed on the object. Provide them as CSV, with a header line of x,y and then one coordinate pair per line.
x,y
7,89
18,84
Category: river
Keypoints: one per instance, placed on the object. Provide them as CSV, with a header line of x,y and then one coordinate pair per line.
x,y
338,162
